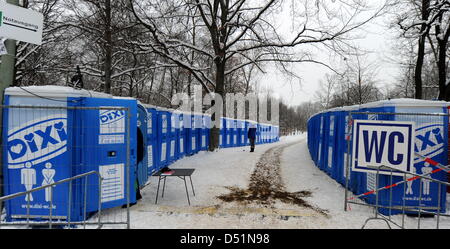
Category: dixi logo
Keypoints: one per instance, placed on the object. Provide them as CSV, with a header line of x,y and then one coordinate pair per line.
x,y
111,116
429,140
39,141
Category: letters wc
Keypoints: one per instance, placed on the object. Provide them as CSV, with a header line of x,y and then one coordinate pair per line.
x,y
44,146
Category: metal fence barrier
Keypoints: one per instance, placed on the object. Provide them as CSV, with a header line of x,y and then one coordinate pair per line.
x,y
50,217
52,164
430,124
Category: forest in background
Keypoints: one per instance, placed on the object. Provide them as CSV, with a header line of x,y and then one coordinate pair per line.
x,y
153,49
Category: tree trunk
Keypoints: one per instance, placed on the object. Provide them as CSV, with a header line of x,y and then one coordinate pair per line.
x,y
108,47
421,49
220,90
442,39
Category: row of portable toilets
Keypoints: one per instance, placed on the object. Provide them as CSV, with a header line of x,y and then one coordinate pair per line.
x,y
60,132
327,142
171,135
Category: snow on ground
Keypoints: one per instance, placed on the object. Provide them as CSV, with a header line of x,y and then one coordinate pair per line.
x,y
232,167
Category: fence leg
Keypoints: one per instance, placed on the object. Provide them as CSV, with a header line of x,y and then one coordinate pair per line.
x,y
51,207
85,202
69,204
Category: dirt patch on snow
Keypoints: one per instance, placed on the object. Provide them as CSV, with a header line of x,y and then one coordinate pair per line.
x,y
266,185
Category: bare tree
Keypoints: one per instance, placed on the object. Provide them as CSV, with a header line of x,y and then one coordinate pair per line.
x,y
417,19
235,28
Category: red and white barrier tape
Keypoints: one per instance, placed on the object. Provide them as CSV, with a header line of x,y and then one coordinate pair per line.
x,y
428,160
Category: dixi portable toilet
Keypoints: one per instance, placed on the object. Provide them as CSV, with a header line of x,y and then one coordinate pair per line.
x,y
277,133
235,133
245,133
43,146
142,145
240,132
152,140
263,133
431,141
182,134
163,138
259,133
222,136
198,127
206,124
177,127
192,134
228,133
331,143
173,137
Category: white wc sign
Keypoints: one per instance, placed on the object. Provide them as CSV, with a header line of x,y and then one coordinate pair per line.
x,y
383,143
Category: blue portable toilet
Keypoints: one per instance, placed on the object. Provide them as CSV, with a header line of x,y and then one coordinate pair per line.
x,y
321,145
163,138
177,127
246,126
222,136
192,136
152,139
201,137
182,117
198,126
228,133
206,124
431,141
241,132
341,147
173,137
432,128
264,137
325,139
235,133
142,145
195,135
277,133
62,143
258,134
368,180
269,134
331,143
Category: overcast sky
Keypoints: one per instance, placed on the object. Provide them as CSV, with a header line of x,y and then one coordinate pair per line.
x,y
377,38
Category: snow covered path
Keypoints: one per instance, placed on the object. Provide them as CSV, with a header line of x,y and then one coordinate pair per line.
x,y
217,174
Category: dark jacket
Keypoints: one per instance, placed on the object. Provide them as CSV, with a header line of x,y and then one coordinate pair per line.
x,y
252,133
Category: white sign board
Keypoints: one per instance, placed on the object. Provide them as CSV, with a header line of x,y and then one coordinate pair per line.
x,y
20,24
383,143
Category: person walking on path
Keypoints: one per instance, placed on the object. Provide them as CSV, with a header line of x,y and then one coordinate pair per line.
x,y
252,136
